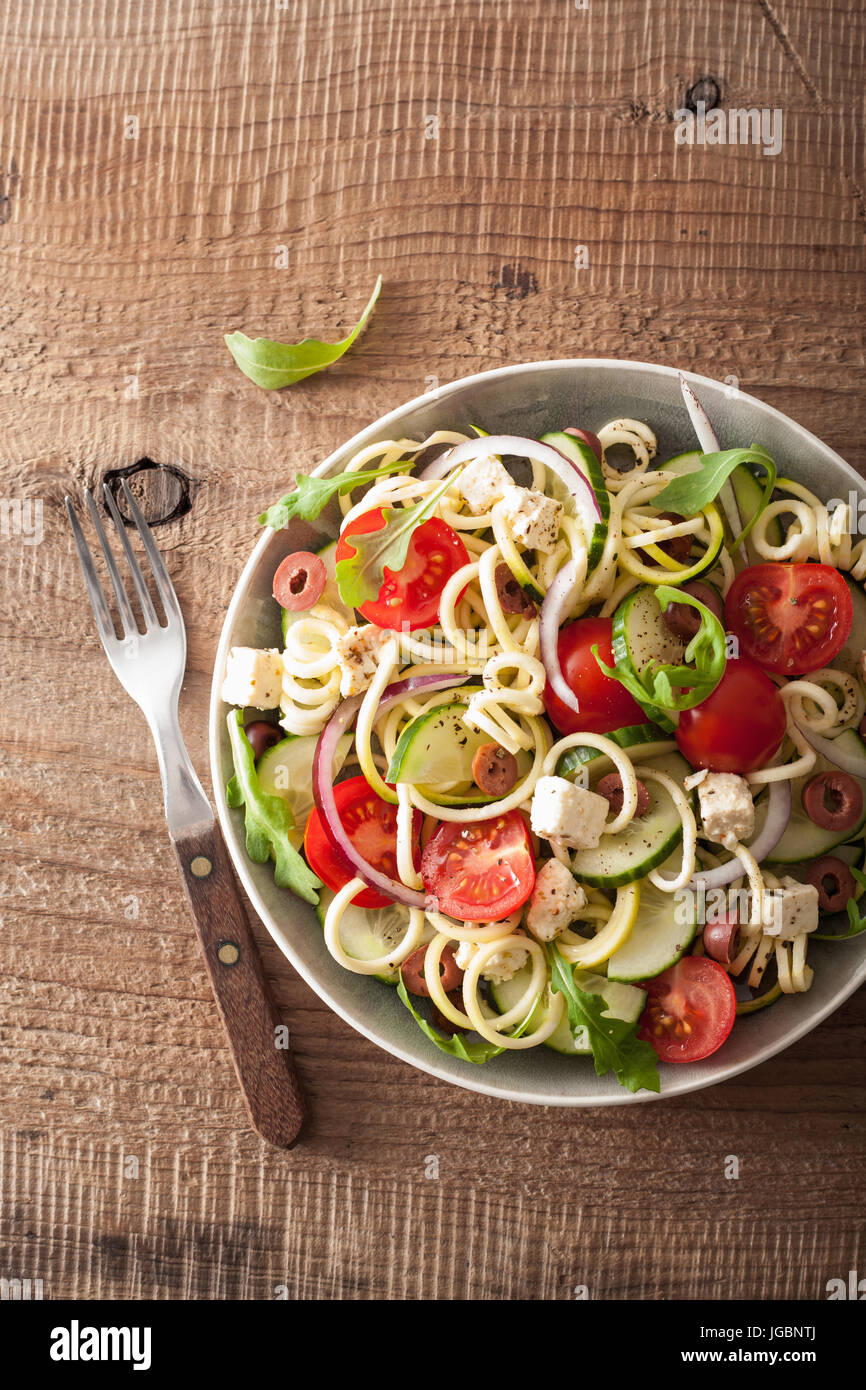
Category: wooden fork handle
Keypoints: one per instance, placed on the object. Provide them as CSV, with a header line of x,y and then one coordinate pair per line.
x,y
258,1040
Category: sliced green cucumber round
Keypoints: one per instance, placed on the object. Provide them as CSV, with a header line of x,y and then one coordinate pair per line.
x,y
640,633
286,770
666,924
645,843
803,840
367,932
623,1001
330,594
642,741
438,747
578,452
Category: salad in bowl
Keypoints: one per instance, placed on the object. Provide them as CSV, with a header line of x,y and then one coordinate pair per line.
x,y
562,736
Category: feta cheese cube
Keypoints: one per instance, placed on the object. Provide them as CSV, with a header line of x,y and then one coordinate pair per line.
x,y
501,965
727,809
573,815
253,677
358,652
531,517
790,909
482,483
557,900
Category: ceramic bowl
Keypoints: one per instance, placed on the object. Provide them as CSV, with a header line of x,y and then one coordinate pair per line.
x,y
528,399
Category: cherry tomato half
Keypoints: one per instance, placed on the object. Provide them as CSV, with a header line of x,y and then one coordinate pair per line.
x,y
690,1010
739,726
411,595
604,703
482,871
790,618
371,825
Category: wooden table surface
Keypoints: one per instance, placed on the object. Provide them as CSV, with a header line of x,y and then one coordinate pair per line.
x,y
173,170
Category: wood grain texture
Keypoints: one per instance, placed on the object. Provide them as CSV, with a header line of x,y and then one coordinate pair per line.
x,y
159,164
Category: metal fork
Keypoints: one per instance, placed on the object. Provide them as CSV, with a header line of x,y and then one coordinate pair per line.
x,y
150,667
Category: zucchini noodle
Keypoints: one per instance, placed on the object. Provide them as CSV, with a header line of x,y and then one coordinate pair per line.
x,y
310,690
589,952
690,832
380,965
537,985
637,436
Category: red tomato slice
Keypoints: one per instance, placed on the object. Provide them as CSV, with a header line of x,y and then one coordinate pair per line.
x,y
790,618
371,825
690,1010
411,595
604,703
739,726
482,871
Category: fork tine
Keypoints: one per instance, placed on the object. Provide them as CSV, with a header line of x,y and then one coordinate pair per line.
x,y
150,618
91,580
160,573
127,617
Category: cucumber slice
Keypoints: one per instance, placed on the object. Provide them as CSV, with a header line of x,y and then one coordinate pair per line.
x,y
641,740
368,932
640,633
644,844
286,770
438,747
804,840
658,937
330,594
623,1001
578,452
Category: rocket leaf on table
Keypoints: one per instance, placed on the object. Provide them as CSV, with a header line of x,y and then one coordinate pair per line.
x,y
272,365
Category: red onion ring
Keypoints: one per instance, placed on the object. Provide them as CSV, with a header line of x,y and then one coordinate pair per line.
x,y
436,468
554,607
771,832
323,785
709,443
558,597
577,486
852,763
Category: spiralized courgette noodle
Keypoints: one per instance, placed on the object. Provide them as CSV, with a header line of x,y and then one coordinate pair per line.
x,y
495,658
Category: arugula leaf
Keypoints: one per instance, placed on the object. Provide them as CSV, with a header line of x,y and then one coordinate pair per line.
x,y
272,365
654,686
361,576
458,1046
857,924
691,492
268,819
312,495
615,1044
477,1052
